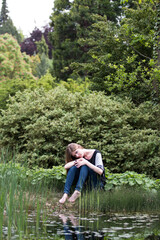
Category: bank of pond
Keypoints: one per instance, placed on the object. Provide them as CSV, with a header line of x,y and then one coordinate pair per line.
x,y
128,208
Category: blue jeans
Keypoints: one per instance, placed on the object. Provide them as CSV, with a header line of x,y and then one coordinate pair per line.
x,y
80,176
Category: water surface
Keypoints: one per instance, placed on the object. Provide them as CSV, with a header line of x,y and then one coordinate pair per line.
x,y
71,226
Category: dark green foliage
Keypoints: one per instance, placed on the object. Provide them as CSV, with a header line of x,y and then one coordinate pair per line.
x,y
71,21
41,124
4,13
116,58
8,27
120,55
144,34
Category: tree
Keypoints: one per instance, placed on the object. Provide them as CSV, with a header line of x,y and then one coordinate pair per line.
x,y
156,54
43,66
4,13
42,46
15,69
13,64
105,49
71,21
156,47
47,30
6,24
121,54
45,62
29,45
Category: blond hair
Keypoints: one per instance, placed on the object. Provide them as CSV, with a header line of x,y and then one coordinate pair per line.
x,y
69,150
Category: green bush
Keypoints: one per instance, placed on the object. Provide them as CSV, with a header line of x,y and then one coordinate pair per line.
x,y
130,180
40,124
10,87
53,177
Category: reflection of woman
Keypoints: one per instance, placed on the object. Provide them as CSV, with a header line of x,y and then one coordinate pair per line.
x,y
82,165
68,231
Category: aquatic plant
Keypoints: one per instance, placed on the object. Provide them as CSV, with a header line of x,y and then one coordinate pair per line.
x,y
17,198
122,199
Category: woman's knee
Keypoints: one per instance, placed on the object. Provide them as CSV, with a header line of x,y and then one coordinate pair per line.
x,y
72,169
75,170
84,169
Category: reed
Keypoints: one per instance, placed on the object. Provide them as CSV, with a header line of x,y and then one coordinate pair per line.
x,y
17,197
123,199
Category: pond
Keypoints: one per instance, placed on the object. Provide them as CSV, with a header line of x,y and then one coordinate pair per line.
x,y
71,226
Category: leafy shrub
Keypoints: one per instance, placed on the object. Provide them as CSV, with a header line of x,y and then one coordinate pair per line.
x,y
34,176
130,179
78,85
10,87
40,124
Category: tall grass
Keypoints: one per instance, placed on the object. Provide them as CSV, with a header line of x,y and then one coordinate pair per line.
x,y
121,200
17,197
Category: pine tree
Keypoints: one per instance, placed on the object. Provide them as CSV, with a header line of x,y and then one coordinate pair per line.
x,y
42,46
4,13
43,66
6,23
45,62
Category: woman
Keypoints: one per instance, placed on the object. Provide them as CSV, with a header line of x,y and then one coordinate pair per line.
x,y
82,165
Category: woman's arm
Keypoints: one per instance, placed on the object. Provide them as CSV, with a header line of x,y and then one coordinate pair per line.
x,y
69,165
81,161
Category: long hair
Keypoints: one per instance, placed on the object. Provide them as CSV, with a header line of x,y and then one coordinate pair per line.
x,y
71,148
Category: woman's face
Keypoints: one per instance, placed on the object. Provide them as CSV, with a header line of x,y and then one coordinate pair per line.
x,y
78,153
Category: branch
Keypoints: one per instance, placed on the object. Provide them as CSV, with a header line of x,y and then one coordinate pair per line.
x,y
137,50
140,52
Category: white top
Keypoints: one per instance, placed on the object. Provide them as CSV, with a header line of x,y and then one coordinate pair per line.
x,y
98,161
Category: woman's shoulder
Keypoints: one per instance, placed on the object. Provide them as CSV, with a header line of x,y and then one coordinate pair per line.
x,y
97,151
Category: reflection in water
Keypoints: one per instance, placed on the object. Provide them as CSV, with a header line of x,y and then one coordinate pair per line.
x,y
72,229
88,227
109,227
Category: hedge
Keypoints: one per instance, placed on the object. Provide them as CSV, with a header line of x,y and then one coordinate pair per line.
x,y
40,124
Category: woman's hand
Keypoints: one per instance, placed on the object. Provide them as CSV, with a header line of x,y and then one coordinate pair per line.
x,y
80,162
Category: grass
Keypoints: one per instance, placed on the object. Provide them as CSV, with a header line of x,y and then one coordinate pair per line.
x,y
121,200
18,196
